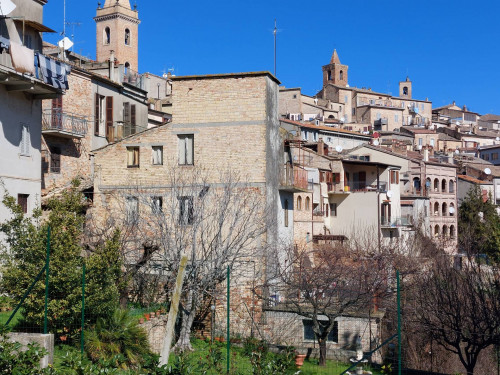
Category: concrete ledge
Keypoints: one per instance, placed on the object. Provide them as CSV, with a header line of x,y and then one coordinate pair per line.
x,y
45,341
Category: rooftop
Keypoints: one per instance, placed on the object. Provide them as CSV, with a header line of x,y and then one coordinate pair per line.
x,y
473,180
326,128
227,75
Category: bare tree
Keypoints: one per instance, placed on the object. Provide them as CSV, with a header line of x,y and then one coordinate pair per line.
x,y
460,309
215,217
325,283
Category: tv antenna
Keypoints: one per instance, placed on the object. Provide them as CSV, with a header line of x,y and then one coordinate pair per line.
x,y
275,32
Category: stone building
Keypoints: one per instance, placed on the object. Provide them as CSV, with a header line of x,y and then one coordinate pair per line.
x,y
21,94
362,105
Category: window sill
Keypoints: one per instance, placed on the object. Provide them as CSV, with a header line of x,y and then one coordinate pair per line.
x,y
157,165
186,165
132,166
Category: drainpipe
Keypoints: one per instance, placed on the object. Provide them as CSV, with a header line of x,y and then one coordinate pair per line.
x,y
112,65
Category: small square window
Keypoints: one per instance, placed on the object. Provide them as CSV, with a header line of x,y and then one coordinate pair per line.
x,y
157,155
132,157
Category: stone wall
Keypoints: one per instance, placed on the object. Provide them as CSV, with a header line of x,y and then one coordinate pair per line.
x,y
45,341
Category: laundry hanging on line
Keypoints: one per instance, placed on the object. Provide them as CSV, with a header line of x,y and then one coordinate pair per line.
x,y
23,58
4,44
54,73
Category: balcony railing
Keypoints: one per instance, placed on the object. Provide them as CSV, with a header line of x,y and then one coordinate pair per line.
x,y
360,186
294,177
378,103
395,222
65,124
120,130
133,78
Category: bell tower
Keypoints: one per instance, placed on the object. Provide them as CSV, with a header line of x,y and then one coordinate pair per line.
x,y
117,27
405,89
335,72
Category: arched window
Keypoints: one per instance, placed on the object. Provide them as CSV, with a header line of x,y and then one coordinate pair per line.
x,y
436,209
443,186
405,90
436,231
308,204
329,75
436,185
445,231
445,209
107,35
452,231
451,186
428,184
127,37
299,203
341,75
286,212
452,209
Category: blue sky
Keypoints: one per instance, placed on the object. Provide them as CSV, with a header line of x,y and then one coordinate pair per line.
x,y
449,49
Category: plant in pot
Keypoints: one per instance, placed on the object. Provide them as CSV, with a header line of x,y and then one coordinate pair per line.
x,y
299,359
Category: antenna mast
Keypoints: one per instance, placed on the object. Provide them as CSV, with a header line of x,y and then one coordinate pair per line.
x,y
64,21
274,32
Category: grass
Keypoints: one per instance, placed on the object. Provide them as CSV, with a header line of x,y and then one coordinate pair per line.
x,y
332,368
5,315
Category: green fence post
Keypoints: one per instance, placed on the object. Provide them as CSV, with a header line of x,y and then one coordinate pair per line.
x,y
47,264
399,322
83,308
228,315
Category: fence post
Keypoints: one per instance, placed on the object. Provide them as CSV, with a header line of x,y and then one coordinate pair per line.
x,y
47,264
399,322
83,308
228,316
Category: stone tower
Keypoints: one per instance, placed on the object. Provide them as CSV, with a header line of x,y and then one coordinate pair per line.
x,y
117,27
335,72
405,89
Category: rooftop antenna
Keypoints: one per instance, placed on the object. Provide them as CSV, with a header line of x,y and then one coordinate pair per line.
x,y
73,24
275,31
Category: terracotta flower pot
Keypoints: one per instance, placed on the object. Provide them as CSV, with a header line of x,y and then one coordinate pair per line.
x,y
141,320
147,316
299,359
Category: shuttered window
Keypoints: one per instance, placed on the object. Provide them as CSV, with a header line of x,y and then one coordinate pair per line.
x,y
110,134
25,144
132,157
22,200
186,147
55,159
98,115
133,123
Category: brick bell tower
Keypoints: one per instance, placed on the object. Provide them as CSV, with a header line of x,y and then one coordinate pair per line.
x,y
335,72
117,27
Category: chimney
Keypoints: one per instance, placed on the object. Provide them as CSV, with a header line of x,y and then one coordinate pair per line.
x,y
321,147
465,108
450,157
474,129
426,154
112,65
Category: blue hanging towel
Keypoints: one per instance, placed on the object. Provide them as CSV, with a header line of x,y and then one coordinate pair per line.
x,y
54,73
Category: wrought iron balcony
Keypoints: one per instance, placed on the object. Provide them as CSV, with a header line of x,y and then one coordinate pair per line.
x,y
294,179
64,124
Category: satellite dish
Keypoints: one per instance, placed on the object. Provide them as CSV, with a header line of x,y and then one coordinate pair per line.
x,y
338,148
419,147
65,43
458,123
452,210
342,120
376,142
416,109
457,151
487,171
389,194
497,139
6,7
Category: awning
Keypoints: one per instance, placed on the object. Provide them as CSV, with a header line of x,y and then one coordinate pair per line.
x,y
35,25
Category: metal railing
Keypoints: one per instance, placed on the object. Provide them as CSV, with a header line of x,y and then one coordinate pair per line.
x,y
360,186
133,78
120,130
73,124
294,176
395,222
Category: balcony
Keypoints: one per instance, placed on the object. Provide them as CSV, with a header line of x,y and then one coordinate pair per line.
x,y
64,124
395,222
294,179
416,192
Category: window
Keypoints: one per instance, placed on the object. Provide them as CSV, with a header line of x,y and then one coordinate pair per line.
x,y
396,118
295,96
486,157
432,142
129,118
405,90
333,336
110,130
132,157
186,210
55,159
127,37
494,156
156,205
286,212
444,211
333,209
443,186
420,141
131,210
452,209
25,144
157,155
22,200
99,113
107,35
421,106
394,177
436,209
299,203
329,75
452,231
345,99
186,155
308,204
341,75
451,186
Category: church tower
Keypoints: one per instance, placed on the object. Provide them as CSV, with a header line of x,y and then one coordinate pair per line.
x,y
405,89
335,72
117,26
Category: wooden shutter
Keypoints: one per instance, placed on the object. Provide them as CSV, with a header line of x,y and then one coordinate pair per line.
x,y
182,149
132,119
22,200
362,180
126,113
189,149
109,119
97,114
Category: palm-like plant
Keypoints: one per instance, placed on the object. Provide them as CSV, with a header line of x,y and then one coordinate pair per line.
x,y
118,338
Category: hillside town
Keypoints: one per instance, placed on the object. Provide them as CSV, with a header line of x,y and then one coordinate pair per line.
x,y
243,174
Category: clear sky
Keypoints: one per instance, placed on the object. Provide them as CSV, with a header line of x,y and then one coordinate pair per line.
x,y
449,49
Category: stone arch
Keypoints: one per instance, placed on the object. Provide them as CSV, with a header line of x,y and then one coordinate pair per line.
x,y
443,186
107,35
299,203
436,209
444,211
